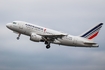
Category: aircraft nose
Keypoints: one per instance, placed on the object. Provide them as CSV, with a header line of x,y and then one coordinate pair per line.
x,y
8,25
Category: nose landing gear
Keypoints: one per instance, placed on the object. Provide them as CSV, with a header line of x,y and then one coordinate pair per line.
x,y
18,36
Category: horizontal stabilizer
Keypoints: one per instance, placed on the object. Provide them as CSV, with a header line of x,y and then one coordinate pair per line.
x,y
91,44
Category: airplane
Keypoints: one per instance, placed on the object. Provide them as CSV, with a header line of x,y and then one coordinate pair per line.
x,y
48,36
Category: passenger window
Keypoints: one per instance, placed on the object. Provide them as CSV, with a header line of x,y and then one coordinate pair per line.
x,y
14,22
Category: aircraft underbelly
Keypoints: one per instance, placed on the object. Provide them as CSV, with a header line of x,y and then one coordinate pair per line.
x,y
66,42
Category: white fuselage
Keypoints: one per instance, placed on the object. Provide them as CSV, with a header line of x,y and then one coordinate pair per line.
x,y
68,40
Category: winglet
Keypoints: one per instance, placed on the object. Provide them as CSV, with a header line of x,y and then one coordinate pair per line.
x,y
93,32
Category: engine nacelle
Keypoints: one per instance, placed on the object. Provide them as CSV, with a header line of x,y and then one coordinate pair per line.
x,y
35,37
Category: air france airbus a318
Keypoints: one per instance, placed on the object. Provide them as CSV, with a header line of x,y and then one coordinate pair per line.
x,y
48,36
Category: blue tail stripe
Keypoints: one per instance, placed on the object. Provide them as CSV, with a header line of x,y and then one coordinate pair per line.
x,y
92,29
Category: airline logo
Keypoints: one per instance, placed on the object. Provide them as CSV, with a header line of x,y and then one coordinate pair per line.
x,y
45,30
32,26
93,32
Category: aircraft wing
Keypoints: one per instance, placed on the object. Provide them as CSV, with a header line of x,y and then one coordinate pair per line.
x,y
53,37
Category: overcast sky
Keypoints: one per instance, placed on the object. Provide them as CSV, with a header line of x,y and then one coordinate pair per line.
x,y
68,16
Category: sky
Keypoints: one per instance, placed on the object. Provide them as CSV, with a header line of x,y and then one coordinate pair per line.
x,y
69,16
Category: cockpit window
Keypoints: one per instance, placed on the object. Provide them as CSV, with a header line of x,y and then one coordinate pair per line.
x,y
14,22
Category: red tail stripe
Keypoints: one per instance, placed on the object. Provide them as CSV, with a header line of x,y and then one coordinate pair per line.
x,y
91,37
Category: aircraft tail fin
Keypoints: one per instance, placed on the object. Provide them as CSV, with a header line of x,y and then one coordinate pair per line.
x,y
93,32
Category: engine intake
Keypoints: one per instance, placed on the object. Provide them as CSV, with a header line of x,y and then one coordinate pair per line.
x,y
35,37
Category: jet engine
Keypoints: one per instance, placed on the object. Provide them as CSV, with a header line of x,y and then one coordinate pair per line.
x,y
35,37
